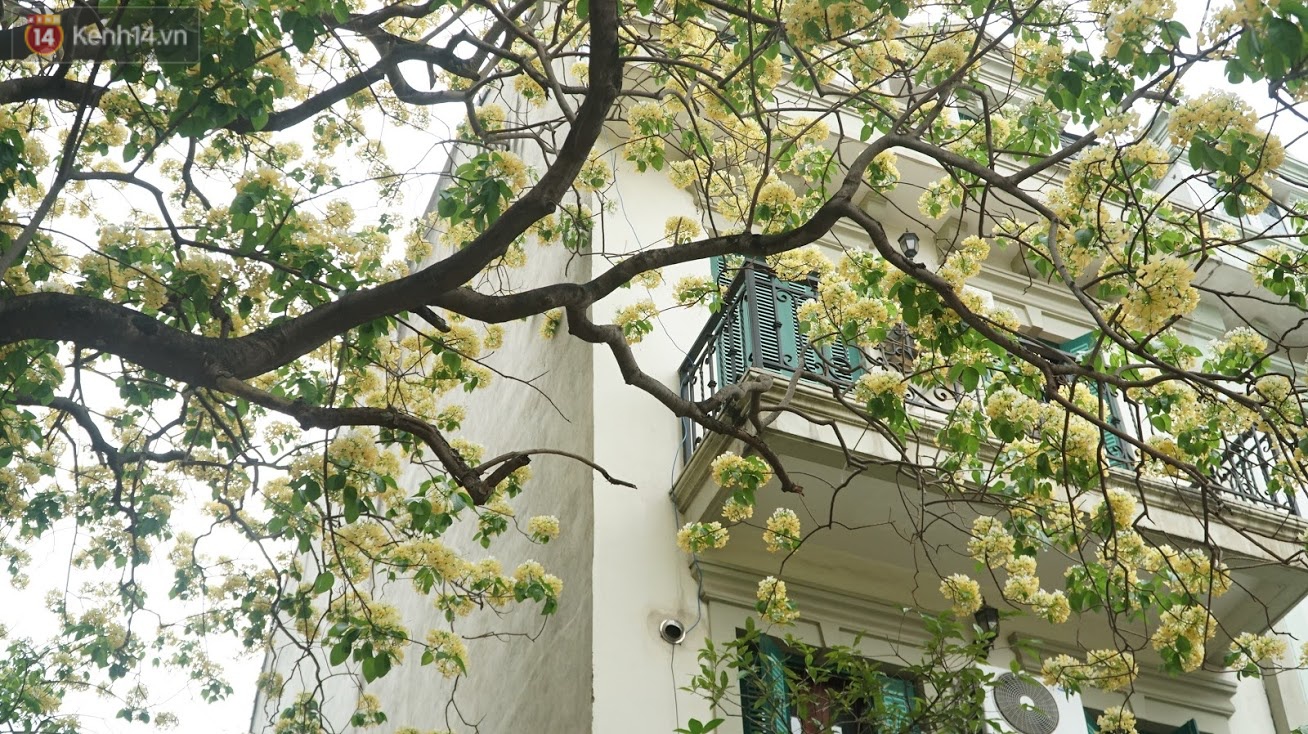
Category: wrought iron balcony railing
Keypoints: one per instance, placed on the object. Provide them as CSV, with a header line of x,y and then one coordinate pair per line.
x,y
757,327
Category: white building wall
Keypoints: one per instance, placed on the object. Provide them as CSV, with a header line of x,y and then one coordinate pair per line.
x,y
516,683
513,683
640,576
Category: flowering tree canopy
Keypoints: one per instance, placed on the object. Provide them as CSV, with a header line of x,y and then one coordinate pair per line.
x,y
206,337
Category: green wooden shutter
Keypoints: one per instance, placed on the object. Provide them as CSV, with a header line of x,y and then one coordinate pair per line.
x,y
764,697
733,352
1189,727
774,311
1091,726
1119,454
897,696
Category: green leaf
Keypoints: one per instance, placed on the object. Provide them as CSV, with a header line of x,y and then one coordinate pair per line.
x,y
1285,37
351,498
323,583
340,652
970,377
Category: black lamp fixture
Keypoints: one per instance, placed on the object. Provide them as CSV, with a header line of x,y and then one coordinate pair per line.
x,y
908,244
987,622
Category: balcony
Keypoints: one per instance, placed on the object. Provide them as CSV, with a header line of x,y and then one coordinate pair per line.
x,y
873,520
757,329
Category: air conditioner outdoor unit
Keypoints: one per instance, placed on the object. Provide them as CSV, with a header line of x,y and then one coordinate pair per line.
x,y
1021,705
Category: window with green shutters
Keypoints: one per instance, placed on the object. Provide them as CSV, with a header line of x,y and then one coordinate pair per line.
x,y
768,702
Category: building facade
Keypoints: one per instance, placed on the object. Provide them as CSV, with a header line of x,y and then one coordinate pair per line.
x,y
636,609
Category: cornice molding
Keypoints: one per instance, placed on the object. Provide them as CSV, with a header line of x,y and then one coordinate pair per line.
x,y
823,605
1202,689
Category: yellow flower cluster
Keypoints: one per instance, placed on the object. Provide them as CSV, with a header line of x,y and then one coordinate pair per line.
x,y
939,198
594,175
687,173
1275,390
1009,405
1218,113
1161,291
449,654
814,20
798,264
962,592
947,55
773,603
1265,262
1116,720
1109,670
1255,649
1136,18
681,229
1197,573
634,319
783,530
1039,59
645,117
1118,508
837,307
806,131
1021,589
1241,344
990,543
643,150
550,322
1194,624
1021,565
877,382
965,262
1212,113
696,537
530,571
543,528
510,168
694,289
730,471
776,204
1053,606
882,173
736,511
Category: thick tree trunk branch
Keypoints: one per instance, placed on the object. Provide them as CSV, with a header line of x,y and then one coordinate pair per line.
x,y
54,88
313,416
201,360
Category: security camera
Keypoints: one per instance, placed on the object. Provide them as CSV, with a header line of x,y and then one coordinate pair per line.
x,y
672,631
